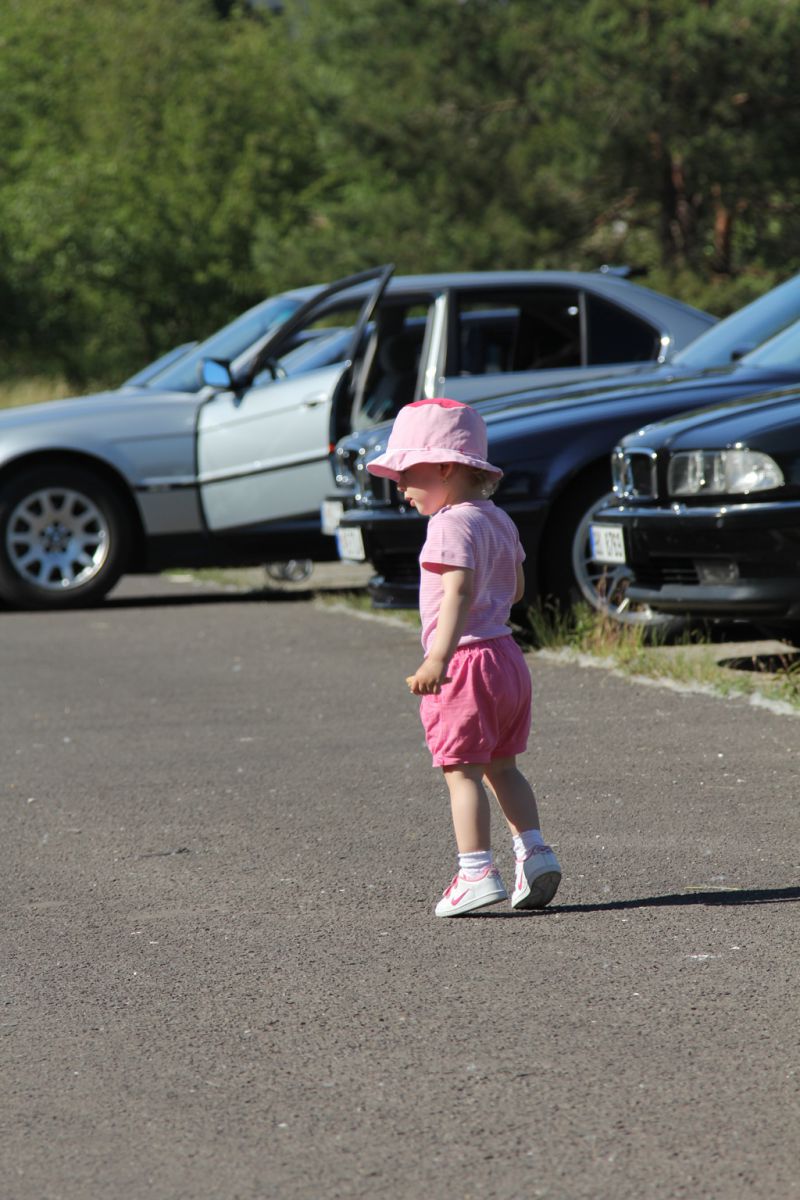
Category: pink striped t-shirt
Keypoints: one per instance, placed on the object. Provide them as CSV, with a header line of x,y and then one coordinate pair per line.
x,y
479,535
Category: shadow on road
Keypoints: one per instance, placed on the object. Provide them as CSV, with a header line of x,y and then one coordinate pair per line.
x,y
729,897
184,599
191,599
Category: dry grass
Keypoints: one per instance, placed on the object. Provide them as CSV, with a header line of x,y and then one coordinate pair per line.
x,y
33,390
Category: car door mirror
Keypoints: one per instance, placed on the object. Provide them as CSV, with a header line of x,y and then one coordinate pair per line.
x,y
217,374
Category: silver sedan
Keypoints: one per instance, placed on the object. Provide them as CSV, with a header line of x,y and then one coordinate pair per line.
x,y
220,455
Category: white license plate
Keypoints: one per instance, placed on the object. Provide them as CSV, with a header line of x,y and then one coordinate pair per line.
x,y
331,514
608,544
350,544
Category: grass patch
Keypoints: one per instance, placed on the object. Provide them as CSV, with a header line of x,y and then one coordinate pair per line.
x,y
34,390
688,659
360,601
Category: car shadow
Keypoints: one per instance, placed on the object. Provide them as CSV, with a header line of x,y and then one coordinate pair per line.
x,y
187,599
730,897
768,664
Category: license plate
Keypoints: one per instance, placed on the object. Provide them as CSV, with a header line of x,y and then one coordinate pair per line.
x,y
350,544
608,544
331,514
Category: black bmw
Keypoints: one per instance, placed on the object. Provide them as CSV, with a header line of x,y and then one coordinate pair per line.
x,y
707,513
553,448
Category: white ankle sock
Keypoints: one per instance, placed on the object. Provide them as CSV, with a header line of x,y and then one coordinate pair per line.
x,y
527,841
471,865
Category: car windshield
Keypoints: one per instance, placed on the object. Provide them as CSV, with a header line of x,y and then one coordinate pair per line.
x,y
780,351
318,351
744,330
142,378
227,343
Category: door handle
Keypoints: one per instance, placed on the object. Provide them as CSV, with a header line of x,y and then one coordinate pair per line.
x,y
315,401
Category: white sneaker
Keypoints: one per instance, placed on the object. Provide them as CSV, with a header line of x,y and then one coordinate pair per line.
x,y
464,895
537,879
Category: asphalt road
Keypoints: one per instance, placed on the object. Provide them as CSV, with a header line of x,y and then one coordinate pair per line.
x,y
221,975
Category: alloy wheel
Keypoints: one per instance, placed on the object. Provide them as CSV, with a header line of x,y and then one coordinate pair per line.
x,y
57,539
604,585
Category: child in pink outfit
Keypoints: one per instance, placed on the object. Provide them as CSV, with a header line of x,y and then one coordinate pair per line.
x,y
474,681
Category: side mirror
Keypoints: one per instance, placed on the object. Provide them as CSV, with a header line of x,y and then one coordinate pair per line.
x,y
217,374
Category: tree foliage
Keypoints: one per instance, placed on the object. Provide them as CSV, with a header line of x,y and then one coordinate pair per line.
x,y
163,166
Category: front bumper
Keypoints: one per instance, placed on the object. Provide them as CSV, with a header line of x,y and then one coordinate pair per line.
x,y
392,539
725,562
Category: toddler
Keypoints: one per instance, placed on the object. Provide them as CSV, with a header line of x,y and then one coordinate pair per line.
x,y
474,681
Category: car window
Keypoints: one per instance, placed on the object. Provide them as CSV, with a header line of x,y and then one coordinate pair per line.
x,y
323,340
781,351
498,332
227,343
616,336
389,372
745,329
318,350
334,316
143,378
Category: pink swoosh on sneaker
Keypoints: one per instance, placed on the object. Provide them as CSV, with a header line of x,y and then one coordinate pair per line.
x,y
454,900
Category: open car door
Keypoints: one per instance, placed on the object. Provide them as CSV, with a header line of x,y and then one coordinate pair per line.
x,y
263,441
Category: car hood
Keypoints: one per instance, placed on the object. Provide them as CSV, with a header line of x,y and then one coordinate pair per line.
x,y
133,411
546,401
770,421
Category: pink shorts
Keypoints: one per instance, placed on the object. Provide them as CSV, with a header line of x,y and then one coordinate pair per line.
x,y
485,712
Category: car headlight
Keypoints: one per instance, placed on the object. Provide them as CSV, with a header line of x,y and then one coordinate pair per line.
x,y
722,472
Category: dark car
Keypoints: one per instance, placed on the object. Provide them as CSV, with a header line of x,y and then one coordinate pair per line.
x,y
553,448
707,513
218,455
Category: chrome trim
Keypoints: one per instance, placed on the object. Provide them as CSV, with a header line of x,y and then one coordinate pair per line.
x,y
433,378
623,476
169,483
677,509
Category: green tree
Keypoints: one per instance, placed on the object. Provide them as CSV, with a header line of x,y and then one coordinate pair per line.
x,y
143,141
694,111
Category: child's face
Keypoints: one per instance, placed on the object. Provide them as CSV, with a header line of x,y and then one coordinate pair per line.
x,y
426,486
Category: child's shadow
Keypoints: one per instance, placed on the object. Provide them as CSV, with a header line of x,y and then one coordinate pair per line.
x,y
730,896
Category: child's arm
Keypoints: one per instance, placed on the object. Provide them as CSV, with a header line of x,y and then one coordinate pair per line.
x,y
520,589
457,584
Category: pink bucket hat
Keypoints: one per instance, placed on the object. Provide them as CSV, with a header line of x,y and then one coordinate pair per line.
x,y
434,431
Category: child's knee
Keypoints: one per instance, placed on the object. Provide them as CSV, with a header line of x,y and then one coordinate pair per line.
x,y
501,768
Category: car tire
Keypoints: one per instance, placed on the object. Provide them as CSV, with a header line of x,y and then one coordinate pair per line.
x,y
292,570
64,538
571,575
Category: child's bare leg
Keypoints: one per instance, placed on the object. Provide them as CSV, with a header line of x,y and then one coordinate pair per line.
x,y
469,805
514,794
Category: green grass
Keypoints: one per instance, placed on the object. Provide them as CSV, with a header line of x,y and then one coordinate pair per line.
x,y
690,660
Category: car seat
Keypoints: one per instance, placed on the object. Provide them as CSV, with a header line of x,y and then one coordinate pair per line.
x,y
398,366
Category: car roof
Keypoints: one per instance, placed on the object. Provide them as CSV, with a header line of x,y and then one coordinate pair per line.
x,y
601,282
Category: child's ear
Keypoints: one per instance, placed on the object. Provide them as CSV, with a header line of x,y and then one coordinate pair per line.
x,y
446,469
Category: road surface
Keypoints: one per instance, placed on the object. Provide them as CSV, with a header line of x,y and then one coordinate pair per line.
x,y
221,975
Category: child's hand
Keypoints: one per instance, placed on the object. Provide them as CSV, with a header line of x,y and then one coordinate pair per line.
x,y
428,678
